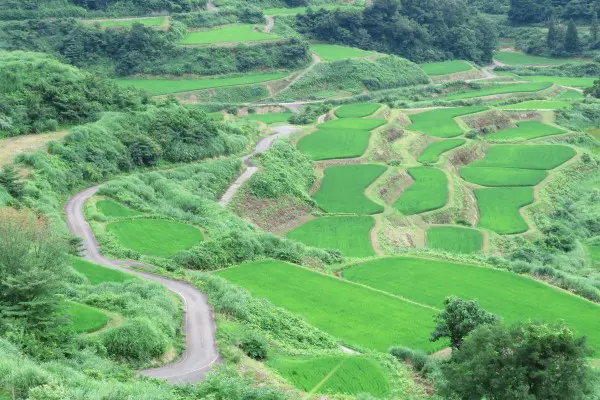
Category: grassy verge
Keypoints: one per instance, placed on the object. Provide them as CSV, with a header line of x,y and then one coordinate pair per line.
x,y
97,273
112,209
84,318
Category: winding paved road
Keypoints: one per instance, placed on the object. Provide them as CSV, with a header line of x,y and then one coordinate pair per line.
x,y
199,326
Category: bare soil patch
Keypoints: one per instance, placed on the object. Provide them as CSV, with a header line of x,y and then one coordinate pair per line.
x,y
493,120
11,147
394,186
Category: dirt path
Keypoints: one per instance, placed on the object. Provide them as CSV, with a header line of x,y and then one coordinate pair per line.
x,y
198,323
262,146
210,5
12,146
270,23
316,60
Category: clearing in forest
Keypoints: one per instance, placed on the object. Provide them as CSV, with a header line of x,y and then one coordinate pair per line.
x,y
514,58
85,319
97,274
112,209
160,86
526,130
499,208
546,156
236,33
357,110
428,192
491,90
155,237
454,239
511,296
499,176
271,118
440,122
343,189
350,234
327,144
333,52
536,105
446,67
342,309
431,154
345,375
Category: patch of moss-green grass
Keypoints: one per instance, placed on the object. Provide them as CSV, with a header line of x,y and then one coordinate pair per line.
x,y
353,123
269,118
326,144
454,239
497,89
428,192
236,33
357,110
112,209
332,52
431,154
499,208
97,273
496,177
526,130
514,58
446,67
537,105
440,122
85,319
526,156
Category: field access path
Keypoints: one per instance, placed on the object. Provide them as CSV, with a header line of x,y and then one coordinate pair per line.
x,y
198,323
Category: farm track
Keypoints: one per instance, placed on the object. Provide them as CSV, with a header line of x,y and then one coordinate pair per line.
x,y
270,23
198,324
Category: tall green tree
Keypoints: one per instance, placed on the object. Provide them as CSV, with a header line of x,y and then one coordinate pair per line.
x,y
10,181
594,28
520,362
572,38
458,319
553,37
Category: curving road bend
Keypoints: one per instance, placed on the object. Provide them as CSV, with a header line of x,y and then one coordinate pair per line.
x,y
198,322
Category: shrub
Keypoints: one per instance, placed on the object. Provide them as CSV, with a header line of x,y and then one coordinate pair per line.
x,y
137,342
254,345
417,358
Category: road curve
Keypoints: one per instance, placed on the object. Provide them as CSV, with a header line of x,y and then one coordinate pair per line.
x,y
198,322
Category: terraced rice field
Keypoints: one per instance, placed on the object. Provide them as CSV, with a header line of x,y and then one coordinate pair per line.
x,y
236,33
333,52
499,208
428,192
350,234
155,237
347,311
545,157
271,118
160,86
346,375
122,23
561,80
498,176
431,154
342,189
526,130
367,124
357,110
84,318
498,89
446,67
440,122
537,105
112,209
514,58
511,296
326,144
454,239
97,274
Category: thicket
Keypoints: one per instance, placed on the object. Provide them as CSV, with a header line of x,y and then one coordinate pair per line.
x,y
574,70
221,16
558,40
310,113
532,11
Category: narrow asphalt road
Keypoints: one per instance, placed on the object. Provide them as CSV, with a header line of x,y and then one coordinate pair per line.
x,y
198,323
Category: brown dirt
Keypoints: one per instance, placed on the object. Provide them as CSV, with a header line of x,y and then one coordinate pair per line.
x,y
394,186
493,119
467,154
12,146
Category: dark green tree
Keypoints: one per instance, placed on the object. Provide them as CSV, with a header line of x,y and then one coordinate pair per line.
x,y
594,90
10,181
553,37
572,38
594,28
459,318
520,362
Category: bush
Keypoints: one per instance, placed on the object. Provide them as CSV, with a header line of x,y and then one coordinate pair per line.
x,y
137,342
417,358
254,345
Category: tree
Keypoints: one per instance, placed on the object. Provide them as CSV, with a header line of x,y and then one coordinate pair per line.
x,y
11,182
519,362
594,28
594,90
459,318
572,38
553,37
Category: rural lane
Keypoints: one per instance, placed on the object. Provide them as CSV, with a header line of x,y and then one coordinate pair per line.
x,y
198,322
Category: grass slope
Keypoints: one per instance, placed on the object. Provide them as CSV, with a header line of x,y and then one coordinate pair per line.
x,y
500,89
236,33
269,118
514,58
428,192
512,296
85,319
497,177
326,144
357,110
561,80
97,273
431,154
526,156
537,105
454,239
112,209
350,234
446,67
440,122
159,86
352,313
342,189
526,130
499,208
353,123
155,237
333,52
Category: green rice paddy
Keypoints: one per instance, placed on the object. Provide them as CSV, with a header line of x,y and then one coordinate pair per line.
x,y
271,118
236,33
526,130
155,237
350,234
511,296
343,189
454,239
326,144
499,208
446,67
514,58
85,319
342,309
333,52
97,273
570,95
537,105
500,89
346,375
440,122
498,176
428,192
367,124
561,80
112,209
121,23
526,156
357,110
431,154
160,86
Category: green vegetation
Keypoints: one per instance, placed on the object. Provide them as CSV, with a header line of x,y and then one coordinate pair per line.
x,y
569,95
237,33
156,21
325,144
357,110
271,118
446,67
158,86
511,296
513,58
155,237
537,105
112,209
561,80
346,375
84,318
350,234
303,10
332,52
454,239
526,130
499,176
431,154
490,90
428,192
499,208
302,291
97,274
353,123
526,156
440,122
343,189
